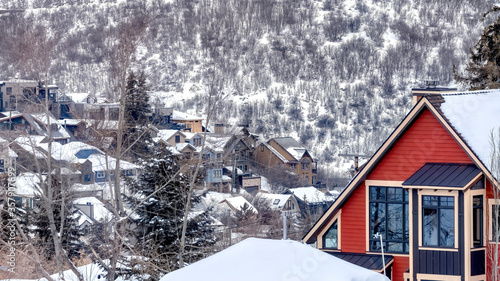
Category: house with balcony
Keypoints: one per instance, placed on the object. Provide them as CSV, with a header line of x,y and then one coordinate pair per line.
x,y
428,197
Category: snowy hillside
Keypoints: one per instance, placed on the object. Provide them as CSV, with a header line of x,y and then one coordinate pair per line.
x,y
334,74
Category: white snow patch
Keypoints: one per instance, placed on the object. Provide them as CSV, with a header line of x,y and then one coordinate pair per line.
x,y
474,116
263,259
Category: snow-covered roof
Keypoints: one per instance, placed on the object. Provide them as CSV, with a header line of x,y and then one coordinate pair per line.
x,y
72,152
69,122
28,184
218,142
99,163
181,146
31,144
265,259
474,115
101,213
167,134
310,193
238,202
78,97
293,147
177,115
190,136
274,201
60,133
275,152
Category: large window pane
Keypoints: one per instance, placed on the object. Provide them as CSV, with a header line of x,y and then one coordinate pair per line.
x,y
377,218
377,193
447,227
430,221
395,227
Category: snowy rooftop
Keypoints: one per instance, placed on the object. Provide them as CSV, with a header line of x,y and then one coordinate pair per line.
x,y
72,151
177,115
101,213
238,202
27,184
30,144
99,163
167,134
474,115
293,147
310,193
274,201
78,97
263,259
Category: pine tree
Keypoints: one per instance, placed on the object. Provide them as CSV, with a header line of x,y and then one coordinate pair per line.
x,y
137,111
483,70
159,219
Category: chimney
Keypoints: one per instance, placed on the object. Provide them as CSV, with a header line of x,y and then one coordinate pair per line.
x,y
431,88
219,129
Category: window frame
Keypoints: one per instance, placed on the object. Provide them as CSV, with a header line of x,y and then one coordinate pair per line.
x,y
438,207
337,218
439,192
405,203
481,223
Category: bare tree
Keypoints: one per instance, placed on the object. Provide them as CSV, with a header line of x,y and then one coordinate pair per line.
x,y
493,250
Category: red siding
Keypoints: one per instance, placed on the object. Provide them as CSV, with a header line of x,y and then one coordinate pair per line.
x,y
354,222
400,266
425,141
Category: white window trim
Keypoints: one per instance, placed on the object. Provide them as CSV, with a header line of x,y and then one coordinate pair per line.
x,y
453,193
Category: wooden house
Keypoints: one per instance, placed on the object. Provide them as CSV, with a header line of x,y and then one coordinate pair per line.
x,y
193,123
288,155
427,196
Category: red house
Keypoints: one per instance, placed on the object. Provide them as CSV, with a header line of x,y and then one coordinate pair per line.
x,y
428,192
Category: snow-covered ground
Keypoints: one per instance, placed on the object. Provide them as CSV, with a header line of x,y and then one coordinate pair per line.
x,y
269,260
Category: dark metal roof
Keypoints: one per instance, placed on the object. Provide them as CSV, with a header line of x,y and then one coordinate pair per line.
x,y
444,175
368,261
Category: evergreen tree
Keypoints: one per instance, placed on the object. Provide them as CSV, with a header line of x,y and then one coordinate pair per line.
x,y
483,70
159,219
137,111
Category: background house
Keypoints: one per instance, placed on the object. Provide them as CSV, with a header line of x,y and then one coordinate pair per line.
x,y
287,154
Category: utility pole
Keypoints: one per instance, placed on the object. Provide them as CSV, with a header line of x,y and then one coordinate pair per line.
x,y
284,213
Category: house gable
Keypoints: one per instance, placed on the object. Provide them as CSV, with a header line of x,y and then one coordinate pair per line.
x,y
423,136
426,140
